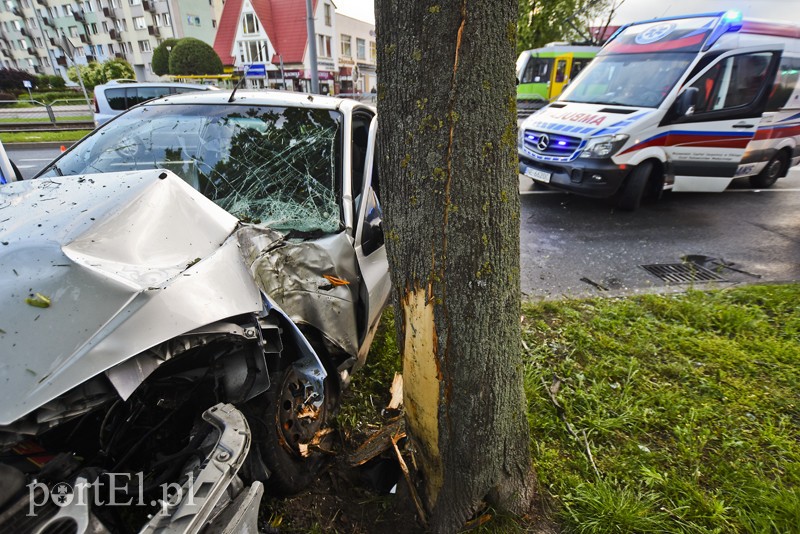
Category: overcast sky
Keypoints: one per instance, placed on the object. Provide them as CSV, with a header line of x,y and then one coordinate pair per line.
x,y
633,10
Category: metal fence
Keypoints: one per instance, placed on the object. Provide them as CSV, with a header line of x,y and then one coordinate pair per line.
x,y
64,110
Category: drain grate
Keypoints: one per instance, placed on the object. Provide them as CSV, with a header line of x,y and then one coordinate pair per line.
x,y
682,273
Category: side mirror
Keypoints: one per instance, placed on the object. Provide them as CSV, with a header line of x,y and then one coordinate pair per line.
x,y
686,102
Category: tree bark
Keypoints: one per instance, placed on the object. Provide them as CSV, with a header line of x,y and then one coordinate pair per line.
x,y
447,154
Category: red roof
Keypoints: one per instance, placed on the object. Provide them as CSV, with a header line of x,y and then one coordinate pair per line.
x,y
284,21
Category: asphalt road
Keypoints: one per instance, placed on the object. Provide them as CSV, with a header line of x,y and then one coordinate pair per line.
x,y
572,246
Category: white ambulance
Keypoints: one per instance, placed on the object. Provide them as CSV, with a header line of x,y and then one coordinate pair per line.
x,y
683,104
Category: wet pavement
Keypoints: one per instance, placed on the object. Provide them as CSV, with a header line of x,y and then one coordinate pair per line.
x,y
577,247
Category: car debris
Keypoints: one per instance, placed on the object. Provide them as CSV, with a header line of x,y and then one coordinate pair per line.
x,y
184,311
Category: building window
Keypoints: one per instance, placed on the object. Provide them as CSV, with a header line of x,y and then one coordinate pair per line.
x,y
99,50
373,51
253,51
93,28
134,2
347,50
115,4
167,20
193,20
144,46
54,12
46,61
110,49
139,23
327,14
105,26
213,23
39,43
250,24
73,31
68,10
361,48
324,46
88,6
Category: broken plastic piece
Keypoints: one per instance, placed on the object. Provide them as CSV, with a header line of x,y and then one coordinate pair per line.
x,y
38,300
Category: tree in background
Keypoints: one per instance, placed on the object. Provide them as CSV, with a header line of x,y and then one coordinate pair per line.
x,y
448,160
192,56
160,61
543,21
99,73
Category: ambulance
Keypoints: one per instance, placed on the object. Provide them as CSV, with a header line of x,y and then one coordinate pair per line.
x,y
682,103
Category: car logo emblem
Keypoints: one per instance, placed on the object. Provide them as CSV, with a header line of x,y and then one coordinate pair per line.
x,y
543,142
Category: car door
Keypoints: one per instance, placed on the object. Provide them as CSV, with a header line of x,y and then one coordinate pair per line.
x,y
706,146
370,248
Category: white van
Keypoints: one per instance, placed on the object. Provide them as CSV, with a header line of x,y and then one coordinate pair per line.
x,y
682,104
117,96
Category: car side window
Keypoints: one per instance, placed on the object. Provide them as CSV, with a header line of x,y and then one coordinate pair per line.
x,y
116,99
372,233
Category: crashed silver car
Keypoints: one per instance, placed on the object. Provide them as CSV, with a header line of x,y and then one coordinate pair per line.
x,y
184,294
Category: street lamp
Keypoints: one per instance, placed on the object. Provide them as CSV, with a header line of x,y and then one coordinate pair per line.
x,y
68,51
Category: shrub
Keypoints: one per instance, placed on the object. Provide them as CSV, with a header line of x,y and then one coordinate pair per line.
x,y
193,56
99,73
160,63
7,96
11,79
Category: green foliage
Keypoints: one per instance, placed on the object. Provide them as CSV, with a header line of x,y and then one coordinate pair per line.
x,y
544,21
11,80
688,403
50,81
99,73
160,63
192,56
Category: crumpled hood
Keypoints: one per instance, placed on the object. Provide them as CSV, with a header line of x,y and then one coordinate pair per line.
x,y
126,261
583,120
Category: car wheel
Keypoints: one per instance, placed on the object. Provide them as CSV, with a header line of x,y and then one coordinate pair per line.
x,y
770,174
289,432
631,197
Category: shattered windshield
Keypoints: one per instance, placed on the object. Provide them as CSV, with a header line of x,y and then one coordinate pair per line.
x,y
275,166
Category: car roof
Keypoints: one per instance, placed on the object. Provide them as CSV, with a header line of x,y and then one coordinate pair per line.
x,y
262,98
126,83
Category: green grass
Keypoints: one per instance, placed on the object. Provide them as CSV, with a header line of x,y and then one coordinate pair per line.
x,y
690,405
38,137
45,119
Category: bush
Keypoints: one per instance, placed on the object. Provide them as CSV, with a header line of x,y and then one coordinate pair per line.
x,y
99,73
192,56
50,81
50,96
7,96
11,79
160,63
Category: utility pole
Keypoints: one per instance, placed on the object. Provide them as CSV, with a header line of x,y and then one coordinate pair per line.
x,y
68,51
312,48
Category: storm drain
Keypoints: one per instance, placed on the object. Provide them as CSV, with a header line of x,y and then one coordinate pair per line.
x,y
682,273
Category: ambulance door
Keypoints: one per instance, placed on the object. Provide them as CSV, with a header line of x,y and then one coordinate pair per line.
x,y
705,142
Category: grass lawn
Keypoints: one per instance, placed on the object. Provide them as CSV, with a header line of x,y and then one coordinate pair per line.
x,y
37,137
13,120
689,405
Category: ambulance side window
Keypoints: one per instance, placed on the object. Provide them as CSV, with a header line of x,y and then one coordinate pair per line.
x,y
786,82
734,82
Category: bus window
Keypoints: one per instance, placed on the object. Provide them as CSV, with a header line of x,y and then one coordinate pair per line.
x,y
561,71
577,66
537,70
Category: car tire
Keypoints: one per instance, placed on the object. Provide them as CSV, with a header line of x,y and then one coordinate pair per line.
x,y
632,193
776,167
280,422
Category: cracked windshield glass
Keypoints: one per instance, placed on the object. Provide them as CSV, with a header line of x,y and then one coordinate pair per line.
x,y
266,165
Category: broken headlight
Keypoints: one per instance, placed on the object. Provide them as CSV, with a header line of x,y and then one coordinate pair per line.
x,y
604,146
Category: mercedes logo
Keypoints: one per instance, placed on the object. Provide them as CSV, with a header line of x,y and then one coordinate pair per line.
x,y
543,142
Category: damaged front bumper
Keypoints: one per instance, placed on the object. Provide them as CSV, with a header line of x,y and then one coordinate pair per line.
x,y
212,498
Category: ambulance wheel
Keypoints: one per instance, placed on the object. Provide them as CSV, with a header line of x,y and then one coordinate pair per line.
x,y
632,193
774,170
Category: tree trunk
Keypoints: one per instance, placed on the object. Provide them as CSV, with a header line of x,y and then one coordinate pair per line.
x,y
447,130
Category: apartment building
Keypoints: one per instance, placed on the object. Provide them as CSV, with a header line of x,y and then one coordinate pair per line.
x,y
48,36
267,41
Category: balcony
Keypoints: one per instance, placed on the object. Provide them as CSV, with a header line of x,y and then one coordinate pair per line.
x,y
152,30
84,38
47,22
31,52
114,34
42,3
6,53
61,61
18,12
79,16
119,55
149,5
109,13
53,42
25,32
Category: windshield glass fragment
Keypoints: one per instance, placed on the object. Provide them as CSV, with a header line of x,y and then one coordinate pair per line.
x,y
275,166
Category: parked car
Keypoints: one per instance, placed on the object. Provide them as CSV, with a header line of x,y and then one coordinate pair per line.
x,y
116,96
194,280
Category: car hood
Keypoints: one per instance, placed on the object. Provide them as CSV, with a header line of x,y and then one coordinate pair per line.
x,y
97,268
584,120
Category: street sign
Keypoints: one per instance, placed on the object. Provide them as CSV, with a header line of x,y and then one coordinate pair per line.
x,y
27,84
256,70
